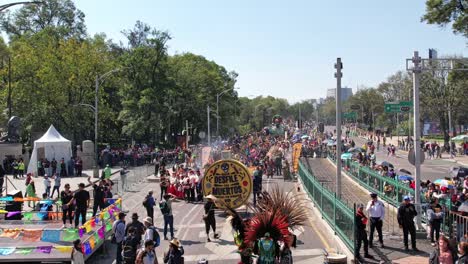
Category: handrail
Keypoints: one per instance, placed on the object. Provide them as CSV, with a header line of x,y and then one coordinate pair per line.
x,y
335,212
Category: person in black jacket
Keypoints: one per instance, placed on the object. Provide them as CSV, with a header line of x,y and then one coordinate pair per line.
x,y
257,183
2,179
361,234
406,214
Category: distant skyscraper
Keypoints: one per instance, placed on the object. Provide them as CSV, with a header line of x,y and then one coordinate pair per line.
x,y
346,92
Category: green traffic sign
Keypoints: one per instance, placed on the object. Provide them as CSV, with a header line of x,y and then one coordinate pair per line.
x,y
350,115
398,107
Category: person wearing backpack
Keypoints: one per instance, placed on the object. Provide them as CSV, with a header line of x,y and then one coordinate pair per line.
x,y
151,233
130,246
149,204
166,210
118,228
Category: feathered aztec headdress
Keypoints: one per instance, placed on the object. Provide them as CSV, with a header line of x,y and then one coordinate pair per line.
x,y
286,204
274,214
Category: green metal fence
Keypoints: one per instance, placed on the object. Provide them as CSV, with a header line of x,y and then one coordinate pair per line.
x,y
338,215
388,189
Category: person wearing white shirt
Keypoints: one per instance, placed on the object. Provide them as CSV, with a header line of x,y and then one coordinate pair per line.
x,y
376,210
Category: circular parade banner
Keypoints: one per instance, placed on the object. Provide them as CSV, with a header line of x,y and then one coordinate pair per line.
x,y
229,181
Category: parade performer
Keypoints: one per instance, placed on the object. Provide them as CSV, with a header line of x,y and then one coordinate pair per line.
x,y
275,216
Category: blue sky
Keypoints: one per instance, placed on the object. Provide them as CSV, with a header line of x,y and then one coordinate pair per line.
x,y
286,48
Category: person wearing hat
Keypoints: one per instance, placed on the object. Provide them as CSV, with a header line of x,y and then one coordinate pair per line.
x,y
361,234
81,199
119,233
151,233
137,225
209,217
405,216
175,252
376,211
77,256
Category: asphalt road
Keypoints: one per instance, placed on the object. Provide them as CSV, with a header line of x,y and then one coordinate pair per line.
x,y
190,230
430,169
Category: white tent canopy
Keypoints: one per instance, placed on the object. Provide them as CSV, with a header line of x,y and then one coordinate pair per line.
x,y
51,146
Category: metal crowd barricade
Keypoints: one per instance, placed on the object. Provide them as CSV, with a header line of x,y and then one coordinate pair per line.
x,y
135,177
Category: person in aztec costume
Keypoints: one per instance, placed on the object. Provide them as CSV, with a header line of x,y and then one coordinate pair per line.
x,y
268,233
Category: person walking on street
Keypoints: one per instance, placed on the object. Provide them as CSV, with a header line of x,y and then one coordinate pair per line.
x,y
137,225
148,254
406,213
119,234
164,183
81,199
107,172
130,245
2,179
435,216
57,182
123,177
53,165
78,166
149,204
361,234
166,210
151,233
66,197
99,195
77,256
376,211
257,184
47,185
30,191
175,252
21,168
63,168
209,217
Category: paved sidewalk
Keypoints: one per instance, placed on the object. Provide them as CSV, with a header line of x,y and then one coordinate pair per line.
x,y
460,159
325,172
19,184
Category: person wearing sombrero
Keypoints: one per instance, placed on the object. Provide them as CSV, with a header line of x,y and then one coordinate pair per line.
x,y
209,217
175,252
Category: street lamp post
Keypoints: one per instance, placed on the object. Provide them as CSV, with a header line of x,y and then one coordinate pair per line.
x,y
338,76
217,108
99,79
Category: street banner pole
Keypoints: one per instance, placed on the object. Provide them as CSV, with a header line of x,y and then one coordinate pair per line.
x,y
338,75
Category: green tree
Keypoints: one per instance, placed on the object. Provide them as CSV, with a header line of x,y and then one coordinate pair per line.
x,y
445,12
59,14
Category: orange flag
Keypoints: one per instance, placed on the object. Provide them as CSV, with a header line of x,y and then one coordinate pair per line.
x,y
10,233
32,235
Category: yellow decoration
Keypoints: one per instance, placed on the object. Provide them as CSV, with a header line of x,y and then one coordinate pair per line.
x,y
229,181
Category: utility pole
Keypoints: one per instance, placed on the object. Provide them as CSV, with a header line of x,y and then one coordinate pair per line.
x,y
417,140
186,134
208,120
9,89
338,76
418,66
96,111
299,125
